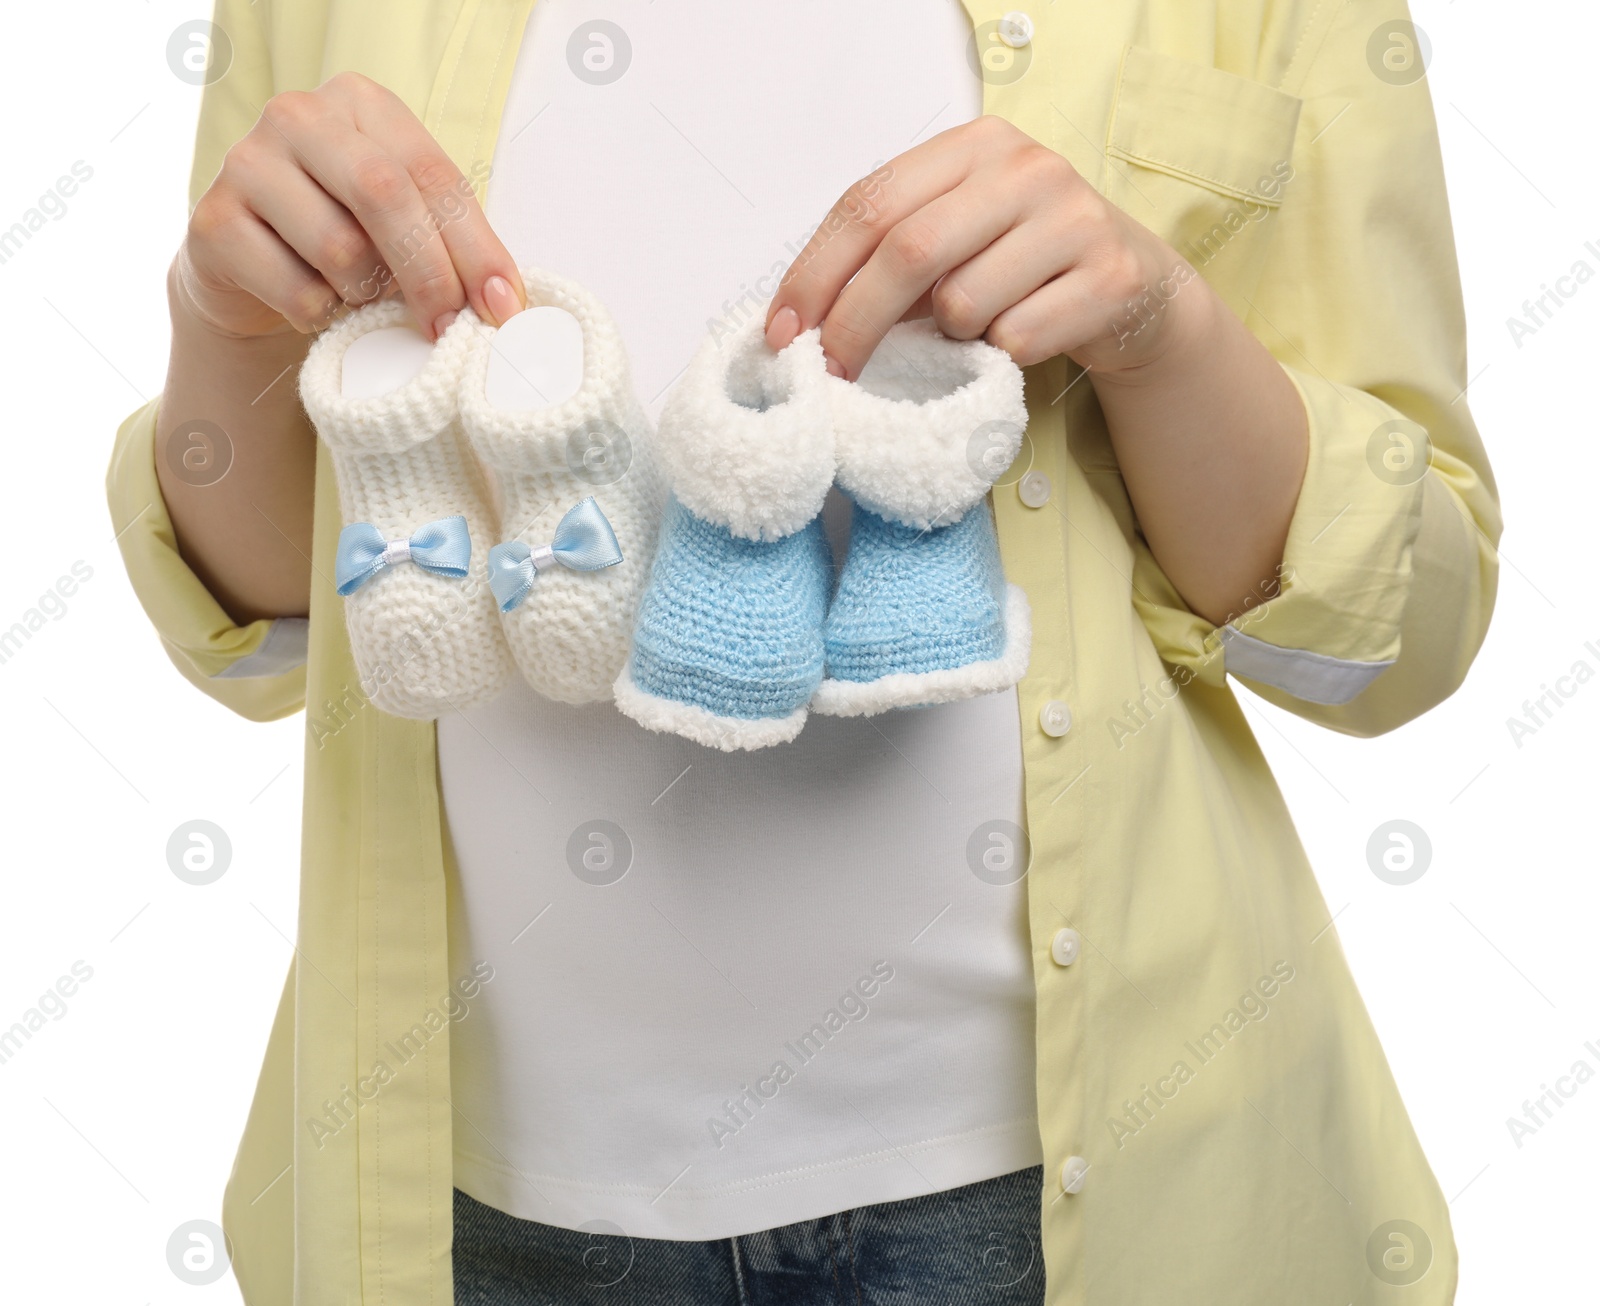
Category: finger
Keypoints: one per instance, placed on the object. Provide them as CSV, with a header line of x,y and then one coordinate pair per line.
x,y
922,308
1062,315
970,297
912,256
382,197
861,217
478,255
260,263
317,227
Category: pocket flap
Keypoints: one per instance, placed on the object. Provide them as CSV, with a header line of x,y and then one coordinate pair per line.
x,y
1201,124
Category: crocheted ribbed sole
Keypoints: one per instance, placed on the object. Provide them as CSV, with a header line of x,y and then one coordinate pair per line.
x,y
913,689
730,734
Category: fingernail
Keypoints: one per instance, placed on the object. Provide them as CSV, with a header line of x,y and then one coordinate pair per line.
x,y
834,366
783,328
441,324
500,299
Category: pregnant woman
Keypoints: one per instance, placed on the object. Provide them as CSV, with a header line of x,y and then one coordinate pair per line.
x,y
1030,997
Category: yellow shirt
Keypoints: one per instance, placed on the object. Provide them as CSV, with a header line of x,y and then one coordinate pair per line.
x,y
1206,1055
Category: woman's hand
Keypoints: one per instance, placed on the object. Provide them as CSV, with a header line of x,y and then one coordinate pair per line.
x,y
335,197
998,237
995,236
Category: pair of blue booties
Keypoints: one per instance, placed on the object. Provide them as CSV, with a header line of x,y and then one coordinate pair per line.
x,y
743,628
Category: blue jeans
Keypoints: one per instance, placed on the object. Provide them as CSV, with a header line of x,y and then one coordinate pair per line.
x,y
974,1244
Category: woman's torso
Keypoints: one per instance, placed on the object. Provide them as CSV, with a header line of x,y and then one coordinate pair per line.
x,y
731,991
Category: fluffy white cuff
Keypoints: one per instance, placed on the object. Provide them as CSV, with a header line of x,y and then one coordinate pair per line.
x,y
537,442
745,438
929,426
730,734
390,423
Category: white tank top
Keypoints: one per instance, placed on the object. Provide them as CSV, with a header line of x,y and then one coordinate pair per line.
x,y
729,992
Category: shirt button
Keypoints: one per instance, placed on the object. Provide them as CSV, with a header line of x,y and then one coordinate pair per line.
x,y
1034,490
1064,947
1016,29
1055,718
1073,1169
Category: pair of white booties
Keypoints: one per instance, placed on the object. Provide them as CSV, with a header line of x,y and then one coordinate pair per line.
x,y
483,540
447,498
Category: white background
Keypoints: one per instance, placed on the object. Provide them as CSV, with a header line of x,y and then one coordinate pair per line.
x,y
122,1116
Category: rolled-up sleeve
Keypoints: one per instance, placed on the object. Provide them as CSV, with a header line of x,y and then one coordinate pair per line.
x,y
1390,567
258,669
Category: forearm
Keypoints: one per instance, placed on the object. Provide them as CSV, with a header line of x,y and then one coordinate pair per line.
x,y
1211,437
247,533
294,228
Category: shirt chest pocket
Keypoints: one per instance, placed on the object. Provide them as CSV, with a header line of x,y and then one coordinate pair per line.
x,y
1204,159
1200,156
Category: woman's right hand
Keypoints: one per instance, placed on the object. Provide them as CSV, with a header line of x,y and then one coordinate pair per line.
x,y
336,197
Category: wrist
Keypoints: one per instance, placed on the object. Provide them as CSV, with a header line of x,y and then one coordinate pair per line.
x,y
200,349
1168,330
244,385
187,296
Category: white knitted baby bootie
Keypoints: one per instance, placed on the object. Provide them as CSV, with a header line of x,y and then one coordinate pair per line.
x,y
579,496
417,525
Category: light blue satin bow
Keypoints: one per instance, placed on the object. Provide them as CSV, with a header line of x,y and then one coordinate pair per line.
x,y
583,541
442,547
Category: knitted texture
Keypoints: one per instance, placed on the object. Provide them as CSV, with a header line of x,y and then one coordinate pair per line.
x,y
570,636
929,425
921,616
728,645
746,440
922,612
728,648
423,644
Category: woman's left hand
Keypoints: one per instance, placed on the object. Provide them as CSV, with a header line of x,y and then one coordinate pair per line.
x,y
993,235
996,236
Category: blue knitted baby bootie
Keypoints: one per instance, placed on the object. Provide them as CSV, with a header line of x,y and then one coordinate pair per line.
x,y
921,615
923,612
727,646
